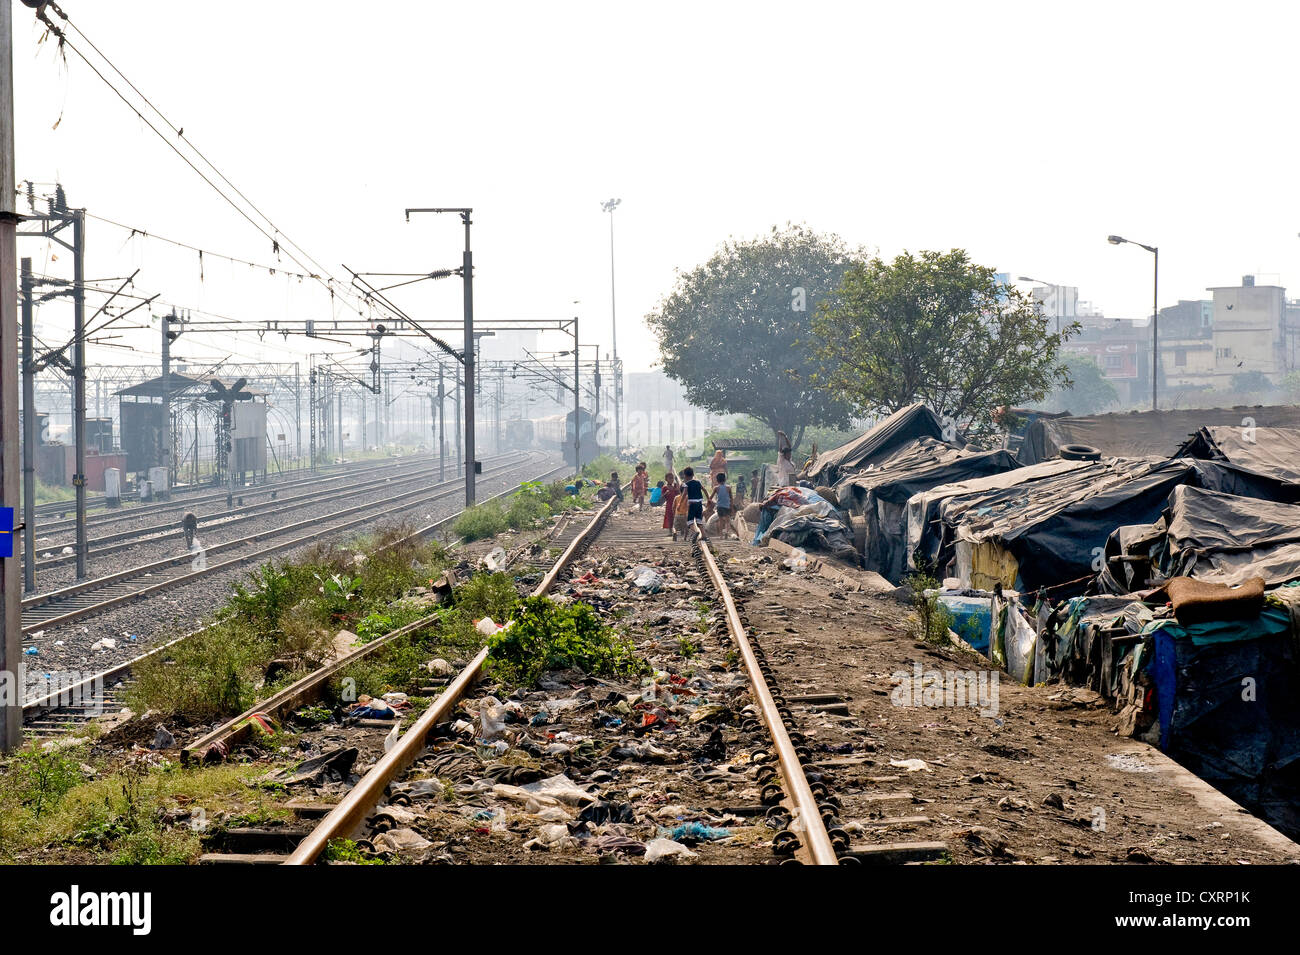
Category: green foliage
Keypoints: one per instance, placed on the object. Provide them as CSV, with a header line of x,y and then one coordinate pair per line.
x,y
736,331
345,850
599,468
212,674
397,666
270,592
528,508
932,621
379,622
41,779
550,636
936,328
1089,392
487,595
1252,382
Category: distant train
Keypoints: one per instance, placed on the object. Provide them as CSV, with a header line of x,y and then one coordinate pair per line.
x,y
555,433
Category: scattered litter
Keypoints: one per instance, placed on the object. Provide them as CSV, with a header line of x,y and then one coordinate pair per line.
x,y
495,559
667,851
911,765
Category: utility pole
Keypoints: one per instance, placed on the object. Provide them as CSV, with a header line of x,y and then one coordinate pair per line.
x,y
297,412
609,206
30,427
169,457
467,388
442,428
11,637
577,401
79,380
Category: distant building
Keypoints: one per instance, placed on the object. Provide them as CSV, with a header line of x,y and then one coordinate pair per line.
x,y
1244,328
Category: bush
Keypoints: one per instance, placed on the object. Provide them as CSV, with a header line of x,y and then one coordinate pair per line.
x,y
481,521
214,673
487,595
932,621
549,636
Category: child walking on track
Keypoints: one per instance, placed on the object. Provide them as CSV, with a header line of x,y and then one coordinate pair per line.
x,y
671,487
640,482
722,499
695,495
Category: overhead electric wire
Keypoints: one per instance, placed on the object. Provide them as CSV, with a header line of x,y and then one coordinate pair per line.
x,y
336,288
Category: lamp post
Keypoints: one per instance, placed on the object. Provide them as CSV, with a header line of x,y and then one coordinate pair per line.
x,y
609,205
1058,293
1155,310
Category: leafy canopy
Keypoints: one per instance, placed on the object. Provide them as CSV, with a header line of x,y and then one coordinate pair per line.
x,y
936,328
1089,392
736,331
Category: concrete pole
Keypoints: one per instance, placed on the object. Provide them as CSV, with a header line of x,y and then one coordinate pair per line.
x,y
30,427
471,476
11,623
79,381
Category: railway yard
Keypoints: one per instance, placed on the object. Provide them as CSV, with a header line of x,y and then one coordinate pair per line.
x,y
741,713
776,516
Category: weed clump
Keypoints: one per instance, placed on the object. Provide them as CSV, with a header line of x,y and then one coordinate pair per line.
x,y
545,635
932,620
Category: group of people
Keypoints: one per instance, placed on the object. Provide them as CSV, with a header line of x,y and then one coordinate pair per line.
x,y
689,500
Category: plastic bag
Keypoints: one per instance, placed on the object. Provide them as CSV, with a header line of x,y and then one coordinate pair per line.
x,y
491,718
495,559
665,850
798,561
646,579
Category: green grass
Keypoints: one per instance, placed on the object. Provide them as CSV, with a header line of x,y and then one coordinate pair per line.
x,y
117,816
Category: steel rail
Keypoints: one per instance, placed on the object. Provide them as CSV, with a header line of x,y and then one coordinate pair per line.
x,y
71,693
186,495
798,791
345,818
75,590
302,491
107,543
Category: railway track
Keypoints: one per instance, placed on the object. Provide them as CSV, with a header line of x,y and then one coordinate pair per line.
x,y
219,521
184,501
799,811
80,700
87,598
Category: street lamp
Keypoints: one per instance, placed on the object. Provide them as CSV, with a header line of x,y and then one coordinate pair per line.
x,y
609,205
1155,310
1057,292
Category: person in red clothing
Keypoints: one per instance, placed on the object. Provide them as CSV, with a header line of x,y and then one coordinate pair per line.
x,y
671,487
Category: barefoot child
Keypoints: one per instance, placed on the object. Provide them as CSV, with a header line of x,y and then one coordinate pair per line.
x,y
640,482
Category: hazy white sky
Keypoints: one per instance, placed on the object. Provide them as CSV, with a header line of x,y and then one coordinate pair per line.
x,y
1024,132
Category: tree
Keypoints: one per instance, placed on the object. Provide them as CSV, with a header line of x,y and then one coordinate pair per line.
x,y
736,330
1090,391
936,328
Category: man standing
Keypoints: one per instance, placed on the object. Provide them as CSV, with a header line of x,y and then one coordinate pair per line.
x,y
668,459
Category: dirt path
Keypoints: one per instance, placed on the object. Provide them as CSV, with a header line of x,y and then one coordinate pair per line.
x,y
1026,774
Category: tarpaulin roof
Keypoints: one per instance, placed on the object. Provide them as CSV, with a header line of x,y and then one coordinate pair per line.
x,y
1274,451
1056,528
1138,434
880,494
1228,539
873,446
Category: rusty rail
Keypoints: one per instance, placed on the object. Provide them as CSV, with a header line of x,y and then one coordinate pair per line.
x,y
345,818
816,840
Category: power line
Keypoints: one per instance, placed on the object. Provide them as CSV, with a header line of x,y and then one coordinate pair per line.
x,y
335,288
